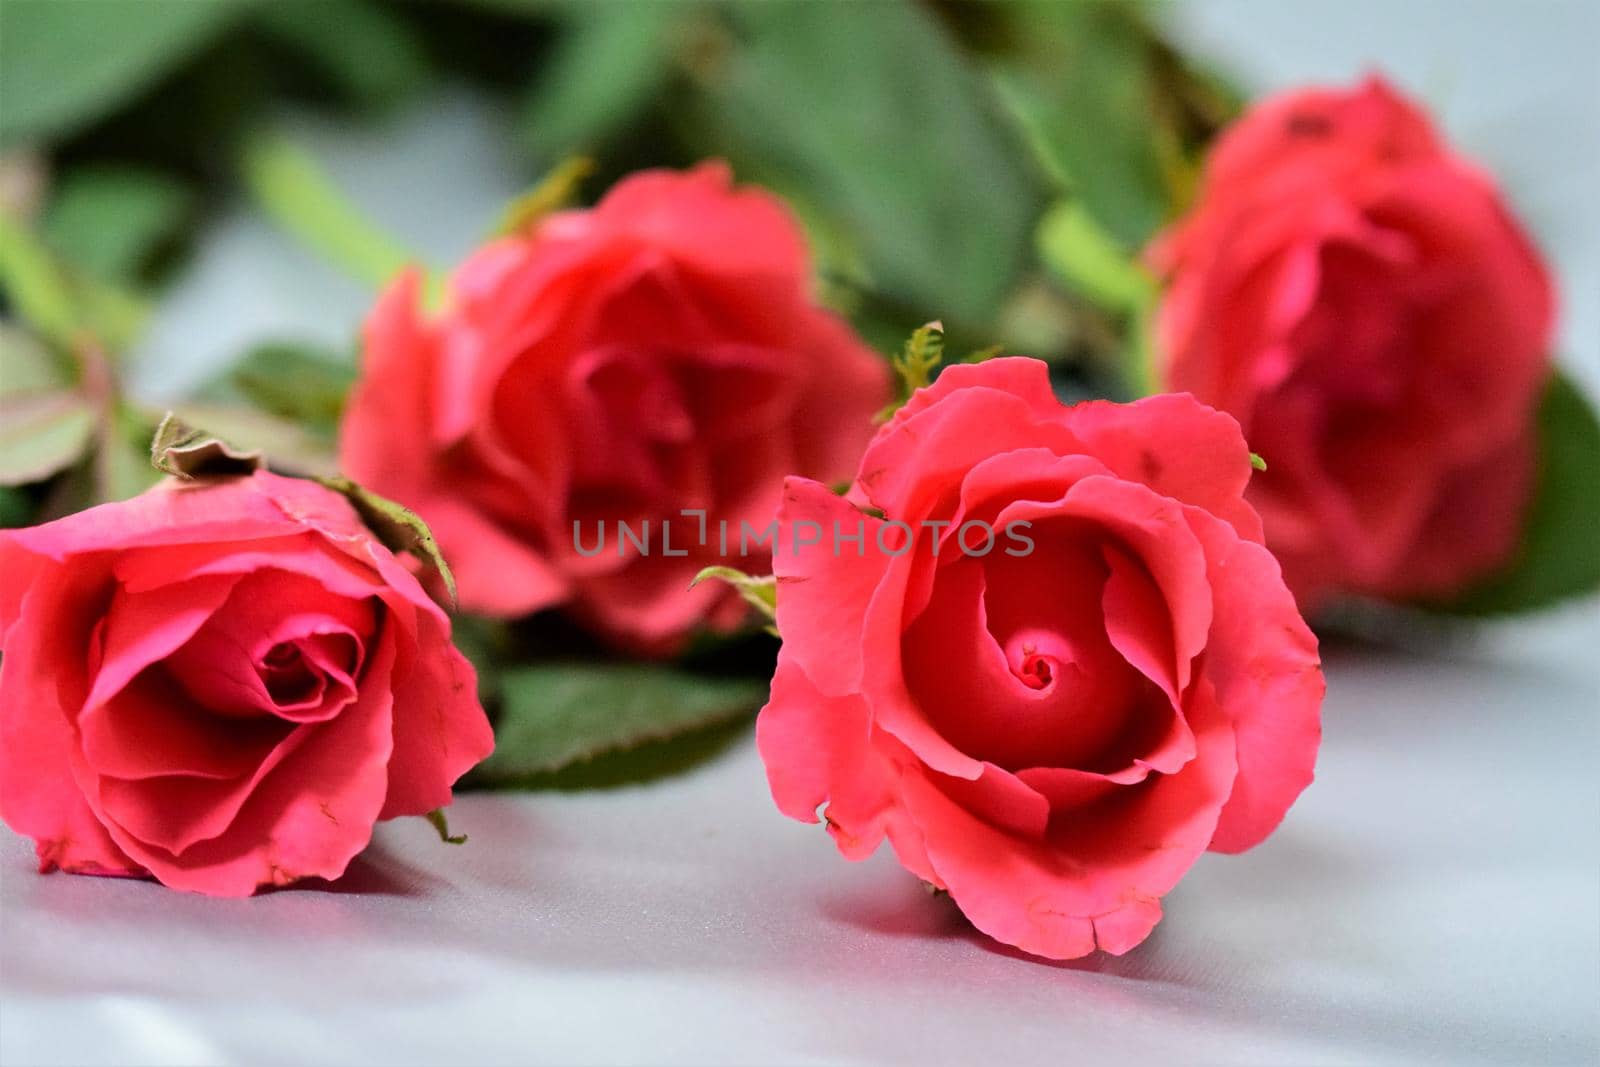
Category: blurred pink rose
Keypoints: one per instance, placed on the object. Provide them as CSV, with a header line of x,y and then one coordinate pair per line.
x,y
1359,298
657,353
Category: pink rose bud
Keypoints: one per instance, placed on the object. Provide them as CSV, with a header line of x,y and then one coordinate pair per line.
x,y
1054,723
222,685
1359,298
657,354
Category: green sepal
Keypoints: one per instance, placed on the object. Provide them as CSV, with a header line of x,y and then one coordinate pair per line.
x,y
437,820
557,190
184,452
399,529
759,591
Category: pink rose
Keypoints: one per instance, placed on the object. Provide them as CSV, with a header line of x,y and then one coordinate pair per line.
x,y
657,353
1358,297
222,685
1052,730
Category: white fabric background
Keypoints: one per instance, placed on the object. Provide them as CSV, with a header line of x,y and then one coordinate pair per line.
x,y
1434,898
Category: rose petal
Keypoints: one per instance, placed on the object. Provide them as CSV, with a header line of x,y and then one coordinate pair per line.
x,y
913,468
37,794
970,687
440,731
221,664
1262,660
823,595
1096,881
699,217
306,818
142,628
173,513
1153,529
818,750
151,728
1178,447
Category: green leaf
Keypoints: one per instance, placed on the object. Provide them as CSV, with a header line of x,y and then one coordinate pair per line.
x,y
291,187
107,220
184,452
400,530
26,366
46,421
368,52
42,433
555,715
1084,91
300,383
1560,556
651,761
34,286
121,464
609,62
63,64
1091,262
871,110
60,308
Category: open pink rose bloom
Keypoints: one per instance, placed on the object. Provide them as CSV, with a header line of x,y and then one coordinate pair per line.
x,y
222,685
656,353
1054,729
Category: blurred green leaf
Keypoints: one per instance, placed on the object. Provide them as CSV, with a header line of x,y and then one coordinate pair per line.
x,y
42,433
609,61
648,762
107,220
34,287
16,508
122,457
26,366
300,383
1083,88
369,53
553,716
1091,262
59,308
291,187
870,109
63,64
1560,556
